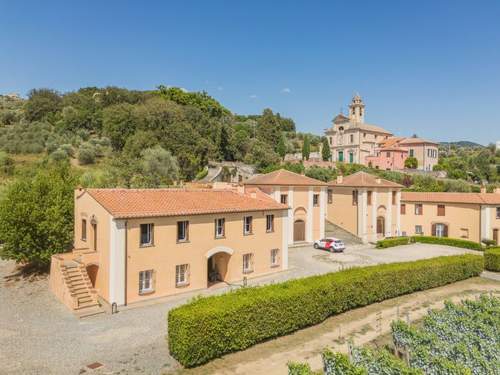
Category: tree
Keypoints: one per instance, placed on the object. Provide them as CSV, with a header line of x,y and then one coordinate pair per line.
x,y
118,124
158,167
411,162
224,145
322,174
36,215
268,128
306,148
41,104
261,155
281,147
326,154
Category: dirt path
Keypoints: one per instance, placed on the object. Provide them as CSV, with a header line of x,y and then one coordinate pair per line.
x,y
361,325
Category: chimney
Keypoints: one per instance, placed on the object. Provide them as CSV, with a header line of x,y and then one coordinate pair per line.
x,y
340,179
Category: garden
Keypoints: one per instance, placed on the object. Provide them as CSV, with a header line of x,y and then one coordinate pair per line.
x,y
459,339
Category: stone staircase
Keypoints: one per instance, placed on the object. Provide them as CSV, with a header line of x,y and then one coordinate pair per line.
x,y
84,296
332,230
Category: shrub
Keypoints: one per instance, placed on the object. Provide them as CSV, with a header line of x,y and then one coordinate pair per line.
x,y
299,369
59,155
209,327
202,174
488,242
492,259
391,242
448,242
86,155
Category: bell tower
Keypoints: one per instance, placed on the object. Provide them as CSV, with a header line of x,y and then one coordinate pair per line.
x,y
357,109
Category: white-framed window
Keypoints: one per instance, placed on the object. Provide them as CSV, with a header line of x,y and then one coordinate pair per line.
x,y
284,199
247,263
146,235
315,199
418,229
440,230
419,209
182,231
247,224
84,229
330,196
182,275
275,257
220,227
146,281
269,223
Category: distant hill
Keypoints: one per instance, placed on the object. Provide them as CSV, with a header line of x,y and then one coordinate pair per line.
x,y
466,144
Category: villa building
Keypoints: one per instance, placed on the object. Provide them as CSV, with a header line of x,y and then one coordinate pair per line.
x,y
351,140
365,205
306,198
471,216
132,245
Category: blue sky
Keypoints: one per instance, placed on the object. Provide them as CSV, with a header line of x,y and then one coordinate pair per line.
x,y
425,67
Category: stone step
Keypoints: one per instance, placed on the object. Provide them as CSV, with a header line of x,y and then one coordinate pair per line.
x,y
89,311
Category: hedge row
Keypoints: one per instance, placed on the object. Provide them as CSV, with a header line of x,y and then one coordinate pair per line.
x,y
391,242
210,327
492,259
398,241
449,242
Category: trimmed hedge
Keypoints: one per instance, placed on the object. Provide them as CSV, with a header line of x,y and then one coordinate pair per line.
x,y
210,327
391,242
448,242
492,259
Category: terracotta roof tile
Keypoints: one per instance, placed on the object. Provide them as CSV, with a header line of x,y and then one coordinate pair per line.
x,y
444,197
284,178
363,179
129,203
410,141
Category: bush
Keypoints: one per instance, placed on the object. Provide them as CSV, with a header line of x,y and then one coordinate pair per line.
x,y
86,155
299,369
391,242
210,327
448,242
488,242
492,259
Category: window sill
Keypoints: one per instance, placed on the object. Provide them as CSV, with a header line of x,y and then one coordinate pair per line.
x,y
146,292
270,231
182,285
182,241
146,245
220,237
248,234
275,265
247,272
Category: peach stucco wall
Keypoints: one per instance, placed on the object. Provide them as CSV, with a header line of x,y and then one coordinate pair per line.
x,y
86,207
458,216
494,223
166,253
341,211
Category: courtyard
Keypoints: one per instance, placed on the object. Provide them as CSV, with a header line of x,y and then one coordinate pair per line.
x,y
38,335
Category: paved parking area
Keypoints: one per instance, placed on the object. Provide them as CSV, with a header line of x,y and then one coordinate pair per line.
x,y
38,335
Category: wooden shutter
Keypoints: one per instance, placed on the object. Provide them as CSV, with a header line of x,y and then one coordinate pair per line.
x,y
433,229
403,209
445,231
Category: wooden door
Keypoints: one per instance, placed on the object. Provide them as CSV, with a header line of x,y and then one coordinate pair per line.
x,y
495,236
380,225
299,230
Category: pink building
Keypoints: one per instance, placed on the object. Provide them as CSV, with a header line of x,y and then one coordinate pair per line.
x,y
388,158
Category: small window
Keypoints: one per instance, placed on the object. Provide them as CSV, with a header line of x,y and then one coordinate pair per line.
x,y
419,209
182,231
464,233
498,212
247,263
274,257
352,138
441,210
369,198
182,275
146,235
394,197
284,199
269,223
219,227
330,196
403,209
354,197
84,230
412,152
315,199
146,282
247,225
418,229
388,154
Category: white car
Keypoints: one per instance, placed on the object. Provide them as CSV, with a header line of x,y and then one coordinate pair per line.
x,y
331,244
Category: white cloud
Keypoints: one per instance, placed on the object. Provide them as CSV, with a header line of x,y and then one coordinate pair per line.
x,y
286,90
253,96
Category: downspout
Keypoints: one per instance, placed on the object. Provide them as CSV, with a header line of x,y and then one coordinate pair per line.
x,y
126,262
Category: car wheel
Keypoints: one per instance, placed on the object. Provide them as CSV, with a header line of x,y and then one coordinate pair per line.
x,y
315,246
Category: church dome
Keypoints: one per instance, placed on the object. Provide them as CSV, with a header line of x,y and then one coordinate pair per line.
x,y
340,118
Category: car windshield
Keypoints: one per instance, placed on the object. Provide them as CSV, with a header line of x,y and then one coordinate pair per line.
x,y
338,242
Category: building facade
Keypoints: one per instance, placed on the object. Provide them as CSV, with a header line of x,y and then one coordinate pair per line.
x,y
134,245
365,205
306,198
470,216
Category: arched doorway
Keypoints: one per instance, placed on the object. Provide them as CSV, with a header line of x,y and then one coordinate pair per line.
x,y
217,264
381,225
92,270
299,230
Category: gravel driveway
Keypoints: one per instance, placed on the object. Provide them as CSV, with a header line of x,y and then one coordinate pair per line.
x,y
38,335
